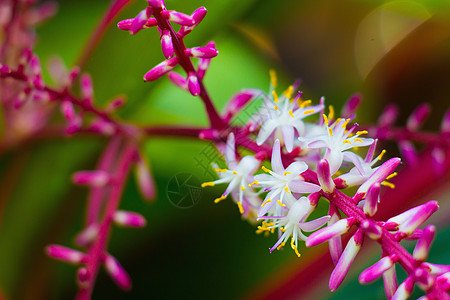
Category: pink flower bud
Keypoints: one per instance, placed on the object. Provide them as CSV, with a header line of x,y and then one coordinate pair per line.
x,y
161,69
4,69
375,271
21,99
329,232
445,125
324,176
404,290
388,116
203,63
97,178
238,101
86,86
179,18
436,269
83,277
145,179
178,80
414,217
65,254
74,125
114,104
209,134
444,281
409,152
202,52
73,75
35,65
140,20
68,110
334,244
424,243
117,272
87,235
129,219
159,4
166,43
418,116
372,199
351,106
371,229
193,85
390,282
199,14
151,22
379,175
125,24
423,279
345,261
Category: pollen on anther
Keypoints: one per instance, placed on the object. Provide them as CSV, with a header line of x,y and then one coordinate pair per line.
x,y
362,132
388,184
241,209
242,188
287,190
275,107
220,170
285,173
308,111
345,123
265,202
265,169
391,176
220,198
330,131
381,154
305,103
253,183
331,113
288,92
273,78
281,204
325,119
207,184
358,140
347,142
290,112
234,172
275,96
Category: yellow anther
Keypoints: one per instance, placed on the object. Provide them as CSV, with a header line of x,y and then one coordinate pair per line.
x,y
283,229
275,107
362,132
331,113
325,119
275,96
358,140
268,223
220,198
291,113
221,170
295,249
288,92
253,183
265,169
285,173
263,228
241,209
234,172
207,184
381,154
347,142
305,103
281,204
265,202
330,131
388,184
242,188
391,176
281,245
273,78
345,123
308,111
338,120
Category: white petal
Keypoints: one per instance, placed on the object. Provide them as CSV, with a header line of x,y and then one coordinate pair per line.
x,y
230,154
297,167
334,159
314,224
266,130
277,164
288,137
299,186
356,160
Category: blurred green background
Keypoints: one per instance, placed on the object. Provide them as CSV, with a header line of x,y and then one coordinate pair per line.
x,y
390,51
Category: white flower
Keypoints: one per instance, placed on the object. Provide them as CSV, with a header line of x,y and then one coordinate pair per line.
x,y
283,115
336,140
294,223
238,175
282,182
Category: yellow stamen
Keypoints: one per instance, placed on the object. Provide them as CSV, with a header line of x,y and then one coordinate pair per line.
x,y
338,120
281,245
285,173
308,111
265,169
381,154
221,170
287,190
241,209
290,112
345,123
362,132
263,228
331,113
265,202
325,119
242,188
234,172
268,223
283,229
347,142
275,96
273,78
207,184
253,183
288,92
276,107
281,204
330,131
388,184
295,248
358,140
391,176
305,103
220,198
